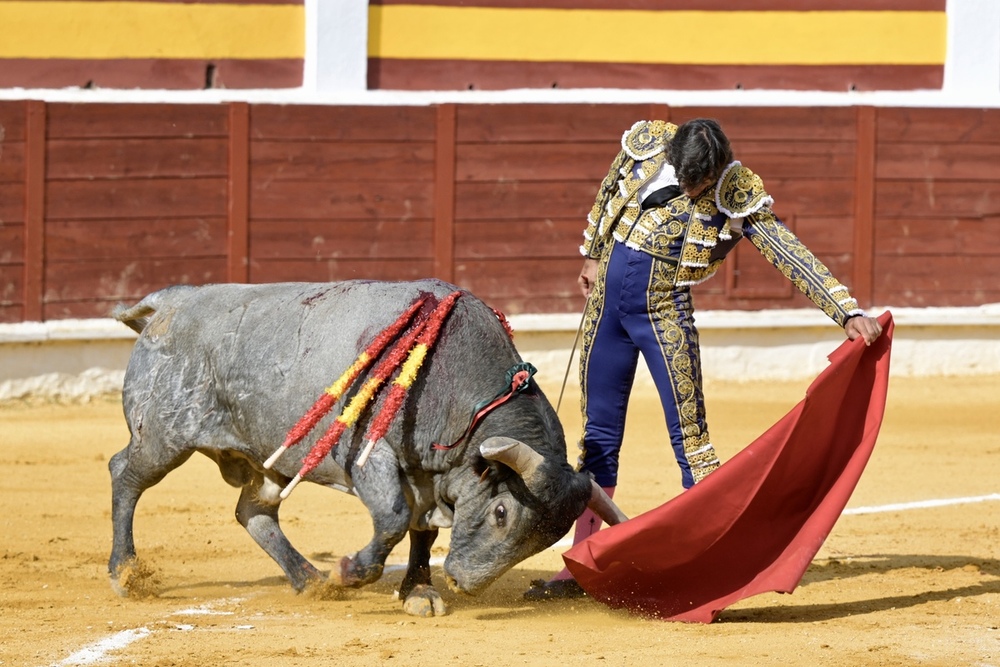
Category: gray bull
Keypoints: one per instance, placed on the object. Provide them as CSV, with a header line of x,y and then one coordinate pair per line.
x,y
226,370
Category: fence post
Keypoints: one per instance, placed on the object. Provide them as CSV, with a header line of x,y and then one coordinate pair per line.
x,y
864,207
238,224
444,193
34,210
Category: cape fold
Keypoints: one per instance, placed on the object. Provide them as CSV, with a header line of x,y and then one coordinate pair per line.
x,y
755,524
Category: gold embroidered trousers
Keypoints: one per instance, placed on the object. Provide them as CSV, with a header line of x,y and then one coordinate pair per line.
x,y
636,308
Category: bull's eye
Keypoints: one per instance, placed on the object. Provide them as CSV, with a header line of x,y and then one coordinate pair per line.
x,y
500,512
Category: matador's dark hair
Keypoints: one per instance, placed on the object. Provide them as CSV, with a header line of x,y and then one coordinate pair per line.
x,y
698,151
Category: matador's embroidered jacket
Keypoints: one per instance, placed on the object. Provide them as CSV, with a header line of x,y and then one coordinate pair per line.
x,y
696,235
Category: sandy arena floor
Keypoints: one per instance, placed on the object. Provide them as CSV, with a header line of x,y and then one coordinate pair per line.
x,y
916,585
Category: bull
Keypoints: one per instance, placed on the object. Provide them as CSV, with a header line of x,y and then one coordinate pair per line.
x,y
224,370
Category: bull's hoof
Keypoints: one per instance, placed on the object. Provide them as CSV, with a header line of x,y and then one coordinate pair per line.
x,y
135,579
349,574
425,602
118,589
306,578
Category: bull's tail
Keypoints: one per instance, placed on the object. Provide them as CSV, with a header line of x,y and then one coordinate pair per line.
x,y
137,317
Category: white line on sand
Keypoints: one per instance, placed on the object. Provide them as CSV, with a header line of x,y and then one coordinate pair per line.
x,y
921,504
97,651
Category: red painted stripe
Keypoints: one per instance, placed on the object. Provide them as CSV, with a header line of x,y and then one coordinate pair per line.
x,y
391,74
170,74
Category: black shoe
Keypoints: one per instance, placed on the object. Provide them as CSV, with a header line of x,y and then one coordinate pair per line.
x,y
559,589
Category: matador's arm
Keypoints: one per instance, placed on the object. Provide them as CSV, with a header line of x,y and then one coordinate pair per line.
x,y
783,249
740,194
595,235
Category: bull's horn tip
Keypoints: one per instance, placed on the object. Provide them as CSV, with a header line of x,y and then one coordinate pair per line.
x,y
602,505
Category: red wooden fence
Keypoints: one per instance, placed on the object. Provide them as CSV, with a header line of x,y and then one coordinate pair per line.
x,y
101,203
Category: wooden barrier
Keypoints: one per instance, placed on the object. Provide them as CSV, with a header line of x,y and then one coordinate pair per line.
x,y
101,203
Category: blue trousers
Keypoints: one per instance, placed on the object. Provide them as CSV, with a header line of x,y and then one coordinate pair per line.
x,y
635,308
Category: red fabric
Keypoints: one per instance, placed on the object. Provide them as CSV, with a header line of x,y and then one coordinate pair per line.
x,y
755,524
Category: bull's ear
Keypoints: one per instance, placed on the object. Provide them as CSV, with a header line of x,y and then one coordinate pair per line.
x,y
514,454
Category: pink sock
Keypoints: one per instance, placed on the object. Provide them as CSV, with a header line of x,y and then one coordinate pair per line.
x,y
586,525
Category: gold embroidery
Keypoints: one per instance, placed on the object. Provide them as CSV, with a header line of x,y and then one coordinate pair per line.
x,y
593,240
726,233
591,315
701,235
695,275
651,222
695,256
705,208
788,254
679,345
645,141
664,237
647,138
740,192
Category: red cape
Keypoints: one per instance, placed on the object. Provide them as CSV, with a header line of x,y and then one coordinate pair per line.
x,y
755,524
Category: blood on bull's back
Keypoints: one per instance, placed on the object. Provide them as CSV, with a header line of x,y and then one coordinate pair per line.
x,y
267,351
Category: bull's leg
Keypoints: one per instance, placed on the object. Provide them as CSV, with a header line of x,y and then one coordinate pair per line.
x,y
418,595
261,521
418,570
131,474
378,486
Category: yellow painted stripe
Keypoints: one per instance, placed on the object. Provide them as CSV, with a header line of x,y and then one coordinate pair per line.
x,y
353,410
338,388
104,30
660,37
413,362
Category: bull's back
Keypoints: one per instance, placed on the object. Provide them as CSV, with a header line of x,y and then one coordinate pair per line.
x,y
244,362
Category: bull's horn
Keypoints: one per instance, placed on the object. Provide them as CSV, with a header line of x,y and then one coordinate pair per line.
x,y
600,503
514,454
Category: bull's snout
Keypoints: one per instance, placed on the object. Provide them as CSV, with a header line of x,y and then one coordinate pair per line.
x,y
456,587
462,581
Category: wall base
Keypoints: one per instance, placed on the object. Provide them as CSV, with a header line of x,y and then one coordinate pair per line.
x,y
79,359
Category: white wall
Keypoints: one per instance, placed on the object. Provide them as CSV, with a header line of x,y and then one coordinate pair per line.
x,y
972,62
336,46
77,359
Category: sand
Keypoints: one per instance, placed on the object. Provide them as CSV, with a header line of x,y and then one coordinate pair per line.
x,y
915,585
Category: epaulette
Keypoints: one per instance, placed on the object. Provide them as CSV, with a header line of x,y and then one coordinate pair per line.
x,y
740,192
647,138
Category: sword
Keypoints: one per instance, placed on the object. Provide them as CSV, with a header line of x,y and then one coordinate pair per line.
x,y
569,364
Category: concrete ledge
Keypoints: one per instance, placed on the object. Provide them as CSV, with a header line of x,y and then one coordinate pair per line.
x,y
63,359
76,359
794,344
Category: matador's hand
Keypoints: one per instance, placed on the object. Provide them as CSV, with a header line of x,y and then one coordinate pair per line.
x,y
866,327
588,276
